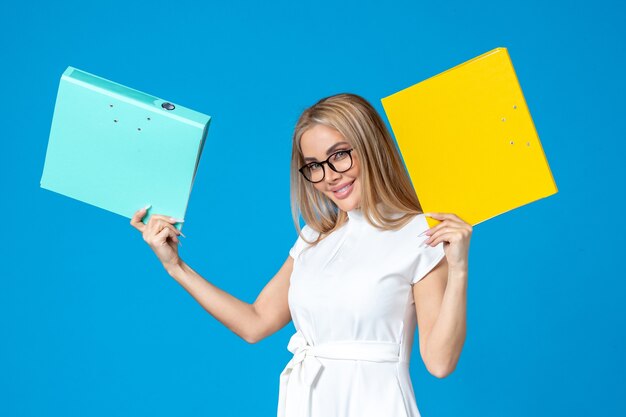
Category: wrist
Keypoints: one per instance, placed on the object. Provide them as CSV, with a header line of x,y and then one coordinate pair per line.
x,y
458,270
174,267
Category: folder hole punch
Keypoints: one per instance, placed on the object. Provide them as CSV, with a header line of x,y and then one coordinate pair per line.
x,y
168,106
115,120
514,107
139,129
147,118
504,119
527,143
110,105
511,142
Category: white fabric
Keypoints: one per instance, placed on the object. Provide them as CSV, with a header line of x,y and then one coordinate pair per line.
x,y
352,305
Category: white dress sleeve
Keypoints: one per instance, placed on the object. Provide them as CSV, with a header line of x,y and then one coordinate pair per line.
x,y
427,257
300,244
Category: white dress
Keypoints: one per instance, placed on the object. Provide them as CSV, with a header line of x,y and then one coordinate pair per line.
x,y
352,305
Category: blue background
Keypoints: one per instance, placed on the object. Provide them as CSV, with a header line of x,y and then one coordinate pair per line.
x,y
92,325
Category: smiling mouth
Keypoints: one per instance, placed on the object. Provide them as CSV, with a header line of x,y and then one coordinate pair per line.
x,y
344,188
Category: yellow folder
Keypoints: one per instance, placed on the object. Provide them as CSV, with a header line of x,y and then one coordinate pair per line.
x,y
469,142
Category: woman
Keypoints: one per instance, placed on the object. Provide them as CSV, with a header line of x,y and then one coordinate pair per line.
x,y
364,271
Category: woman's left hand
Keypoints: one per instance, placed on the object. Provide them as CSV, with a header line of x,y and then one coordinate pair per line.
x,y
455,235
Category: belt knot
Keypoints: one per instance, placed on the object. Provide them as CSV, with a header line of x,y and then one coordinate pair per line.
x,y
303,369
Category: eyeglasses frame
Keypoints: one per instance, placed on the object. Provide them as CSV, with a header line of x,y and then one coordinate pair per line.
x,y
327,161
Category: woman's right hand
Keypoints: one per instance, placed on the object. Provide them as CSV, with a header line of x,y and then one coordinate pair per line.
x,y
160,235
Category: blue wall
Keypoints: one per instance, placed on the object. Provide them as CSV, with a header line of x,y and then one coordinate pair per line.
x,y
90,323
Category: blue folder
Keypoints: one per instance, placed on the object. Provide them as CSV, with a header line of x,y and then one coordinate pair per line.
x,y
119,149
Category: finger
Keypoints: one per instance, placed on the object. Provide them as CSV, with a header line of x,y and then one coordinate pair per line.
x,y
443,216
161,224
168,219
430,231
174,237
452,218
434,238
153,230
448,218
157,222
428,239
161,237
449,237
136,222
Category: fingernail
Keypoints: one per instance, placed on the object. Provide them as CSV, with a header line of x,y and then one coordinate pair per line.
x,y
422,234
181,233
174,219
147,207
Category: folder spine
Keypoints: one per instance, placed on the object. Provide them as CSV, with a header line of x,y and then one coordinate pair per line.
x,y
134,97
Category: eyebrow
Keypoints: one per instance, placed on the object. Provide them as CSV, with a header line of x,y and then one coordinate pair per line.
x,y
329,151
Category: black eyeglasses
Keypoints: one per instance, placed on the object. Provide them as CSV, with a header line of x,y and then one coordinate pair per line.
x,y
341,162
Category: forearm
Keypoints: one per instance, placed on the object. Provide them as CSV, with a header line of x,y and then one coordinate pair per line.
x,y
239,316
446,338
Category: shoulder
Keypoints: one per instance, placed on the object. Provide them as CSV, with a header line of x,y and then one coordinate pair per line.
x,y
418,221
307,233
414,226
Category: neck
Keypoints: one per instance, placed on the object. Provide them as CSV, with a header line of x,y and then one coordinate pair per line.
x,y
357,212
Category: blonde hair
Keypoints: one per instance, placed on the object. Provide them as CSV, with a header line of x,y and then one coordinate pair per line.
x,y
385,184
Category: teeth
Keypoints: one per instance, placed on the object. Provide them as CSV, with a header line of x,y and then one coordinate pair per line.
x,y
343,189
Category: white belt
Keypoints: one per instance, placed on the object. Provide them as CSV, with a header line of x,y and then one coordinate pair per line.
x,y
296,380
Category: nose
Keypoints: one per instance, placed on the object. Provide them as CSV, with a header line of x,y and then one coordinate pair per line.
x,y
331,175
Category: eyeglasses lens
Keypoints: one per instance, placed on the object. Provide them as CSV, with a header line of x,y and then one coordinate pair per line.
x,y
342,161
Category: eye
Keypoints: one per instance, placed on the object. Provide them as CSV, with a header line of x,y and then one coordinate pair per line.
x,y
314,166
340,155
